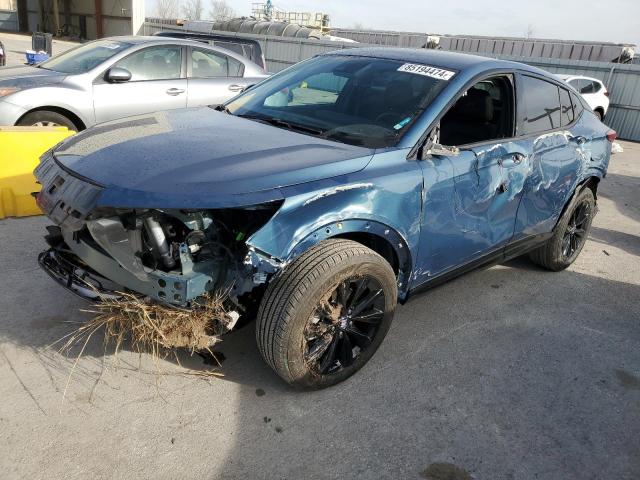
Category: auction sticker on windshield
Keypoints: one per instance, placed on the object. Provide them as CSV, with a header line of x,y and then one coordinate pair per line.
x,y
427,71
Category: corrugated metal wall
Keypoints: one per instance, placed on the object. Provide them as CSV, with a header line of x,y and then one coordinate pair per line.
x,y
526,47
622,80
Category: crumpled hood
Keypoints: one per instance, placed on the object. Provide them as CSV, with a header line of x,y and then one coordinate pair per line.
x,y
200,158
28,77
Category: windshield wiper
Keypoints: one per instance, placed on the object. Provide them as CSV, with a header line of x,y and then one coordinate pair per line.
x,y
277,122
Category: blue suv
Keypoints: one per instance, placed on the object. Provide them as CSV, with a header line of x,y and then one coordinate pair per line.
x,y
321,197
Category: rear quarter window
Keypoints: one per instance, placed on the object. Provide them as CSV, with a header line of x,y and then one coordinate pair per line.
x,y
566,108
578,106
540,104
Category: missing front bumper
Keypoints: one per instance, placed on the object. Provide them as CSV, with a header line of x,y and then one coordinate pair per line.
x,y
71,273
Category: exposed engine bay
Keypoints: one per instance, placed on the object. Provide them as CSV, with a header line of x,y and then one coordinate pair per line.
x,y
172,256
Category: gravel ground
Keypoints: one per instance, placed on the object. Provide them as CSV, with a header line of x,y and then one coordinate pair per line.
x,y
16,44
506,373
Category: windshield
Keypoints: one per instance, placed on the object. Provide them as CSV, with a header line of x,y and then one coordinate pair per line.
x,y
362,101
85,57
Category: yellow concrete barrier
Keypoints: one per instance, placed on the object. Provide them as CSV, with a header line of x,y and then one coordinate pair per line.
x,y
20,150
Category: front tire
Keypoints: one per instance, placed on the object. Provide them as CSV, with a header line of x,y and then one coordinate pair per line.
x,y
324,316
570,234
46,118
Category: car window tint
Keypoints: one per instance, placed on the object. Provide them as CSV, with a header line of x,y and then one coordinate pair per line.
x,y
319,89
483,113
208,64
154,63
566,107
596,87
541,106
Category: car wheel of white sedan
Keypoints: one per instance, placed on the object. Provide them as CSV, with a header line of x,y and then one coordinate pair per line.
x,y
46,118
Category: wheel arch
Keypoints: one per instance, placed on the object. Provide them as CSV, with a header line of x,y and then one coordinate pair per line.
x,y
381,238
590,182
74,117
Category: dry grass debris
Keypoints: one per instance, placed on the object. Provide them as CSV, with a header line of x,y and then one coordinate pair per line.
x,y
151,328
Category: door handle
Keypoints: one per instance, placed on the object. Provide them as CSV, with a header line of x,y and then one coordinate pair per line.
x,y
512,159
175,91
236,88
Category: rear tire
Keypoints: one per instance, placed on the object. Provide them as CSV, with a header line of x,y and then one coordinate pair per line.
x,y
599,114
47,118
324,316
570,234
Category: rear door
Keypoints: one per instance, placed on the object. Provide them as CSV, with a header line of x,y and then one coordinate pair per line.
x,y
213,77
547,123
157,83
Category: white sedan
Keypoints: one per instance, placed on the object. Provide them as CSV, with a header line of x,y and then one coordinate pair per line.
x,y
592,90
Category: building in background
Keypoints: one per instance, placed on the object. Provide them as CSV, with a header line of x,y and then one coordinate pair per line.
x,y
9,15
78,19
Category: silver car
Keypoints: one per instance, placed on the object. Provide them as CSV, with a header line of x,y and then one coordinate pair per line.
x,y
122,76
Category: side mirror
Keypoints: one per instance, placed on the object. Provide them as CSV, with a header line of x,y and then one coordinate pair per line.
x,y
118,75
432,147
443,150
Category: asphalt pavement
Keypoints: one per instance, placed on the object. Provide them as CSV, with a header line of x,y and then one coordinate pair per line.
x,y
17,44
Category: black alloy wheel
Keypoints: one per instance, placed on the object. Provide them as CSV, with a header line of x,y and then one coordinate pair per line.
x,y
344,325
576,233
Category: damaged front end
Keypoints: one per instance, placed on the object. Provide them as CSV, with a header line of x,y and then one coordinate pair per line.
x,y
172,256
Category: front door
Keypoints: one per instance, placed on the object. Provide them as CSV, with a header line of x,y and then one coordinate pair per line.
x,y
157,83
471,199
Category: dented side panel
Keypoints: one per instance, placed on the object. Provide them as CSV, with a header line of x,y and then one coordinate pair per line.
x,y
559,162
386,196
470,204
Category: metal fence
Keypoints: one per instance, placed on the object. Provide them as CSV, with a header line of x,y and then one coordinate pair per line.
x,y
622,80
481,45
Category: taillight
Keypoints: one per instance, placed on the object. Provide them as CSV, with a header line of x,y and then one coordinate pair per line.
x,y
606,93
612,135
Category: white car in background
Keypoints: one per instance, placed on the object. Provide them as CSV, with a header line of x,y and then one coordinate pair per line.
x,y
592,90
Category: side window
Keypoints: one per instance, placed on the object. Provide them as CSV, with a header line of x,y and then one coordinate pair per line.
x,y
566,108
587,88
577,105
319,89
154,63
483,113
578,84
540,104
208,64
596,87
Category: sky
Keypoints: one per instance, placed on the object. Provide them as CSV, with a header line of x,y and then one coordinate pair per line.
x,y
615,21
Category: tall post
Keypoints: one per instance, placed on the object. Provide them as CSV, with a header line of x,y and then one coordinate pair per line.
x,y
56,17
98,17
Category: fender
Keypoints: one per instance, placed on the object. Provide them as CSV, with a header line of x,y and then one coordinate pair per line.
x,y
55,97
383,201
